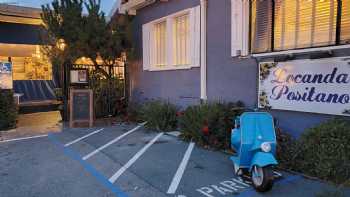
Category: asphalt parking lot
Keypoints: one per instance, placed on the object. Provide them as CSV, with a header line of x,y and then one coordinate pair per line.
x,y
128,160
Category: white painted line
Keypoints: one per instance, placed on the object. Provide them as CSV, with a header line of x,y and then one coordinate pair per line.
x,y
277,174
180,171
81,138
111,142
133,159
24,138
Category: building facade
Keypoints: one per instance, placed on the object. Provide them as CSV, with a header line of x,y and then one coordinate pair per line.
x,y
285,56
21,30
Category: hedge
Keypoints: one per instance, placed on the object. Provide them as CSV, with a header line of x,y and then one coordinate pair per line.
x,y
8,111
160,115
210,124
322,151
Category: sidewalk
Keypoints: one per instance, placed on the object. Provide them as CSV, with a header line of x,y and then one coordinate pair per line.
x,y
33,125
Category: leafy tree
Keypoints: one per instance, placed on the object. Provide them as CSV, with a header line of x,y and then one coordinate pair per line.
x,y
84,34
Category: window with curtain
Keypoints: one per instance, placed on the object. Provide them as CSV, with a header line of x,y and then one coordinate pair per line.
x,y
294,24
182,40
172,42
160,47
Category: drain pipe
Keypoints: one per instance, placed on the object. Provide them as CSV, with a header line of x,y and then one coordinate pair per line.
x,y
203,71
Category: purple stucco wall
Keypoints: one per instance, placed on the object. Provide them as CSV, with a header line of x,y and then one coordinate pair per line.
x,y
229,79
179,86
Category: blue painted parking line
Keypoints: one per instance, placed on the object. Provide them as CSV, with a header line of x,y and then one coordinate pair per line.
x,y
250,192
89,168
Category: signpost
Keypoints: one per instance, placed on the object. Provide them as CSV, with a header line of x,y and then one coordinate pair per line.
x,y
317,86
81,107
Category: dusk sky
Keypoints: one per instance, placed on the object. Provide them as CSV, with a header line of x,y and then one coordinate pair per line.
x,y
106,4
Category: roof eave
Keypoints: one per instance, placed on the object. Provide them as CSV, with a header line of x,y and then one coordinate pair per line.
x,y
130,7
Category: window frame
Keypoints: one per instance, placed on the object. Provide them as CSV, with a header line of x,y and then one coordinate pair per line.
x,y
194,46
338,42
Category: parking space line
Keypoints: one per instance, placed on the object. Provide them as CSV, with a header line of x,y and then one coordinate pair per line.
x,y
81,138
88,167
111,142
23,138
133,159
180,171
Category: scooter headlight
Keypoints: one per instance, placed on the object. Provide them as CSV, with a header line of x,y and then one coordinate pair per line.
x,y
266,147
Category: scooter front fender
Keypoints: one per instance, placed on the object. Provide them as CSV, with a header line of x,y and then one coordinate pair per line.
x,y
263,159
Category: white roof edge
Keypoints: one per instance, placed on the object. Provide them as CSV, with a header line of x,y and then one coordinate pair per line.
x,y
131,6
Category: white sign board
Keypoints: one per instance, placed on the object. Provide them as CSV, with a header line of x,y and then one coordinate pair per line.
x,y
79,76
6,75
318,86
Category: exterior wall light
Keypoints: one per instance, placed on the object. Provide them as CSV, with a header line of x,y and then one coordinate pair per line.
x,y
61,45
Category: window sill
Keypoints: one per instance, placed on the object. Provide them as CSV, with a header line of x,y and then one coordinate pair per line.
x,y
298,51
169,68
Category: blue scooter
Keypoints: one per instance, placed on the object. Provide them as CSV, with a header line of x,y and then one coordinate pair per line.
x,y
254,141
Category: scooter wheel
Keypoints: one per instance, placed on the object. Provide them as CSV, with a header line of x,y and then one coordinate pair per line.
x,y
262,178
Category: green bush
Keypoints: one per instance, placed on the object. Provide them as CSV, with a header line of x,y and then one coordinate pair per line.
x,y
8,111
322,151
286,150
210,124
133,112
325,151
160,115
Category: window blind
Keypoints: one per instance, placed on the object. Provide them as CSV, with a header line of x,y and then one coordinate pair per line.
x,y
261,26
304,23
345,22
160,44
182,40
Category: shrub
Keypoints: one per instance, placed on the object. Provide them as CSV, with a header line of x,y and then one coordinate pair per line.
x,y
8,111
133,112
325,151
286,150
210,124
159,115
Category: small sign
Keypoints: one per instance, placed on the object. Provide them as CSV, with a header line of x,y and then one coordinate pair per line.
x,y
81,106
317,86
79,76
6,81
